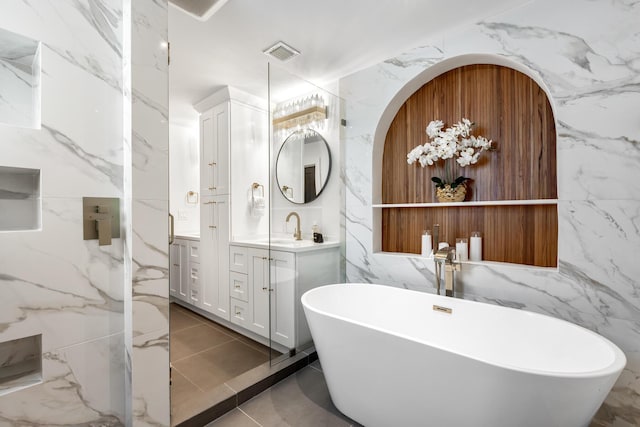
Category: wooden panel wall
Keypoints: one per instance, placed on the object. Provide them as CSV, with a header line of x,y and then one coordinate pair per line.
x,y
516,234
507,107
513,111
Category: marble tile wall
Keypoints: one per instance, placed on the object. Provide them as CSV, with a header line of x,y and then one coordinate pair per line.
x,y
19,80
587,54
149,200
52,282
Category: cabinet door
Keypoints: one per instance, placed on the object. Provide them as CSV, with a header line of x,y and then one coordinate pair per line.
x,y
283,282
178,263
214,253
183,288
258,287
174,269
214,150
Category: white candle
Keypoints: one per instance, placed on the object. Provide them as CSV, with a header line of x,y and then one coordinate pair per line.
x,y
426,243
476,246
462,249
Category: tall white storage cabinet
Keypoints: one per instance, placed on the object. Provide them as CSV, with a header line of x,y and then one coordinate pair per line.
x,y
214,252
214,150
233,155
215,139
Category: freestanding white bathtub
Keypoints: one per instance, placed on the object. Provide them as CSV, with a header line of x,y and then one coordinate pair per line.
x,y
391,359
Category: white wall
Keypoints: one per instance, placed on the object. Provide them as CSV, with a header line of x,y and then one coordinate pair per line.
x,y
249,164
586,53
184,176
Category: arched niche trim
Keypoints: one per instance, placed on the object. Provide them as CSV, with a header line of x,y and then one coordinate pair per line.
x,y
420,80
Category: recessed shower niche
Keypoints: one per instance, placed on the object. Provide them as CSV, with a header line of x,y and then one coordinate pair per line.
x,y
20,201
19,80
20,363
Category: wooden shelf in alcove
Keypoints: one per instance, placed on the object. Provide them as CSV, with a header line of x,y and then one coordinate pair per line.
x,y
513,189
519,234
467,204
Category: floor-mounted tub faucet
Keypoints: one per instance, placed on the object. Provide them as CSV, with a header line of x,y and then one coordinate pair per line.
x,y
446,256
297,233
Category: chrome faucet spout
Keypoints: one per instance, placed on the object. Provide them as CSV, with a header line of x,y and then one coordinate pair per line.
x,y
297,234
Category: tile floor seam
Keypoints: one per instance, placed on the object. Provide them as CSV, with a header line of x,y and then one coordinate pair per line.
x,y
190,316
208,326
249,416
206,349
199,323
221,328
187,378
186,311
266,353
230,388
317,369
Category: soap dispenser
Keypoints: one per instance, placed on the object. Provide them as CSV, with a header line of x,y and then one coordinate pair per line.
x,y
317,236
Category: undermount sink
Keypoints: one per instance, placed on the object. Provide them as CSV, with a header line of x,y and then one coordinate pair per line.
x,y
281,240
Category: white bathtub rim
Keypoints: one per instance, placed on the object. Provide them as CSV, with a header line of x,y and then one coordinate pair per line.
x,y
615,367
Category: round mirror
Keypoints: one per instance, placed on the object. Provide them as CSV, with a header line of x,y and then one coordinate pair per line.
x,y
303,166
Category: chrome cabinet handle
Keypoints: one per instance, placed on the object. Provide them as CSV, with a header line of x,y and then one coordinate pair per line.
x,y
212,226
212,188
212,164
209,203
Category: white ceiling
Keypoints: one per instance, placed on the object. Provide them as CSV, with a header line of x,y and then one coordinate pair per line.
x,y
335,38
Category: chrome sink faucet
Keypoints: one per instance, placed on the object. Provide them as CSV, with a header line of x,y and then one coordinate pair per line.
x,y
297,233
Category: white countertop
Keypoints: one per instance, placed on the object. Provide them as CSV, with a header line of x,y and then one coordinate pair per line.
x,y
288,244
188,236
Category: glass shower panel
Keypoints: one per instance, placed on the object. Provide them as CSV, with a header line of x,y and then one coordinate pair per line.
x,y
306,201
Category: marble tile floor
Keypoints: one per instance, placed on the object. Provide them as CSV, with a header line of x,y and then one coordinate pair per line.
x,y
301,399
205,355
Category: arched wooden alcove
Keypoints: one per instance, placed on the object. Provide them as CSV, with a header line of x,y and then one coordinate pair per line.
x,y
513,189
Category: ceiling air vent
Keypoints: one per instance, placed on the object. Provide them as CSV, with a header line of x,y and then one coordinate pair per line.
x,y
281,51
199,9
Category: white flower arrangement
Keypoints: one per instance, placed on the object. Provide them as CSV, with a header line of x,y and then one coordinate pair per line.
x,y
455,142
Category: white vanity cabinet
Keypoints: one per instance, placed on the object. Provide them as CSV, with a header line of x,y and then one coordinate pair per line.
x,y
263,281
184,270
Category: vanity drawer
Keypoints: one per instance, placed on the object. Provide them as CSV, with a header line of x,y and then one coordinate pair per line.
x,y
239,313
194,251
194,283
238,286
238,259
